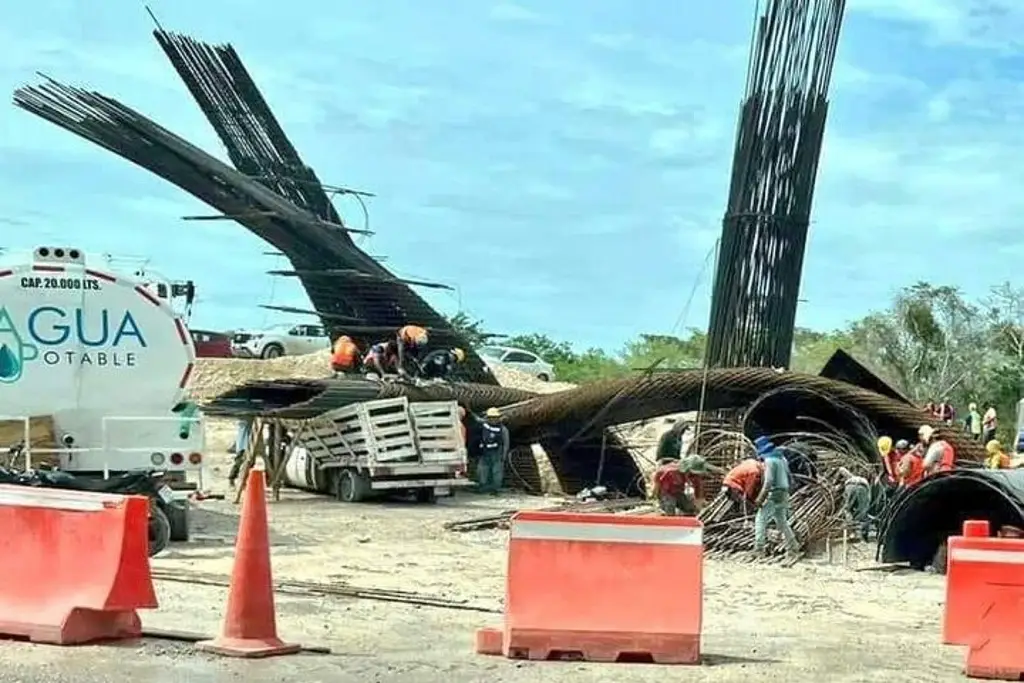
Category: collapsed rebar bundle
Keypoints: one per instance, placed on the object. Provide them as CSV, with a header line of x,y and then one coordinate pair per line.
x,y
775,163
779,403
273,194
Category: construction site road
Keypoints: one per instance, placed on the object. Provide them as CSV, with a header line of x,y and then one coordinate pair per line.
x,y
812,622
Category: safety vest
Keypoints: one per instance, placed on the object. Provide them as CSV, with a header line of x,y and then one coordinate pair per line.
x,y
916,473
948,458
491,440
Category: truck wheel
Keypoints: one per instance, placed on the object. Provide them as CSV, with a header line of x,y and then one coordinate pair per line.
x,y
272,351
159,530
351,486
428,495
177,516
543,377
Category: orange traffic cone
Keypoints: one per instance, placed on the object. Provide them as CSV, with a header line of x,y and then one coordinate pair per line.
x,y
250,625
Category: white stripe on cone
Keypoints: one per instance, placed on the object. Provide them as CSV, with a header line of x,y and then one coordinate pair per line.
x,y
606,533
982,555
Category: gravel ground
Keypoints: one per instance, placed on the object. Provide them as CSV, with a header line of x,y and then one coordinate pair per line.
x,y
813,622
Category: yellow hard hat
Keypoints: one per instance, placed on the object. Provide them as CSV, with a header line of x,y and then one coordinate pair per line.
x,y
493,412
884,445
993,447
460,355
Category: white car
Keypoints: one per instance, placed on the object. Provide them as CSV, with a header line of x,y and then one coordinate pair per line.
x,y
281,340
519,359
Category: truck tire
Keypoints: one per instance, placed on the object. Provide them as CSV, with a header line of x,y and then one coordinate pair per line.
x,y
272,351
177,516
351,486
159,531
427,495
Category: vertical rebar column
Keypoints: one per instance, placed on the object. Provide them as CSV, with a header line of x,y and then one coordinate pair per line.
x,y
775,163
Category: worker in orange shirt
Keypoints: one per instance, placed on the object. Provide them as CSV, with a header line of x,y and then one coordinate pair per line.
x,y
411,341
911,469
344,355
677,485
743,481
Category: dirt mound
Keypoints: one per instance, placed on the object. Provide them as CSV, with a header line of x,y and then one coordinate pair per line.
x,y
214,376
515,379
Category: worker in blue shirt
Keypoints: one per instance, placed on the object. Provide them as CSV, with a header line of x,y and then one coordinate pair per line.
x,y
773,500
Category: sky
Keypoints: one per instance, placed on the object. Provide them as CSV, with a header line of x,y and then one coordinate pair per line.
x,y
562,165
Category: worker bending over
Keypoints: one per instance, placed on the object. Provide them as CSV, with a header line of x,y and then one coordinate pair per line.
x,y
381,358
410,343
997,458
678,486
773,499
743,482
890,457
344,355
494,447
857,501
441,363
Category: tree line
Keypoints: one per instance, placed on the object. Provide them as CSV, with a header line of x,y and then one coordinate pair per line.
x,y
931,342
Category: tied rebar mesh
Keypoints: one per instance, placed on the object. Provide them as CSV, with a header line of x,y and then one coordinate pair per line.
x,y
775,163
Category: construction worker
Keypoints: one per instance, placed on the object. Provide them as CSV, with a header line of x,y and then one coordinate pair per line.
x,y
911,468
900,449
381,358
743,482
243,440
773,499
857,501
997,458
440,363
678,485
884,453
344,355
940,457
670,444
410,342
494,446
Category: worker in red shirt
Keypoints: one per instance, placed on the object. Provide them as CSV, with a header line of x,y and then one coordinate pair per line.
x,y
743,481
344,355
678,485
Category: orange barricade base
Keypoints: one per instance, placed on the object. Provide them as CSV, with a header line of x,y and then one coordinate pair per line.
x,y
999,653
250,622
76,565
594,587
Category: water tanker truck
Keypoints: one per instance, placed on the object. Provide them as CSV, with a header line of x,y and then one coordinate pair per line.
x,y
106,360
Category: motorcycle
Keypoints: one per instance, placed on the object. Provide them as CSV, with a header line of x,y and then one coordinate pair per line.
x,y
148,483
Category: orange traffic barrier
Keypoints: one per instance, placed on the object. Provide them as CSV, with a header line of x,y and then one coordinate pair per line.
x,y
75,565
985,601
601,588
250,623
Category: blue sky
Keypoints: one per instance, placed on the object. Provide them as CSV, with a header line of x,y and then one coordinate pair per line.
x,y
563,164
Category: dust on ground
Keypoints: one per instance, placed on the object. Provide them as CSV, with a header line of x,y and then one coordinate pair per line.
x,y
813,622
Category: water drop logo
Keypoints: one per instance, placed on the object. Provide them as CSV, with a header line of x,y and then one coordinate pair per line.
x,y
14,352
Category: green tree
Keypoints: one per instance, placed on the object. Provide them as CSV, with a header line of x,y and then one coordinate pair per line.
x,y
470,329
554,352
675,353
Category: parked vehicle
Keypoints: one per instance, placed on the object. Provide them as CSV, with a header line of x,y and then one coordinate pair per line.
x,y
280,340
148,483
105,356
378,447
519,359
212,344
